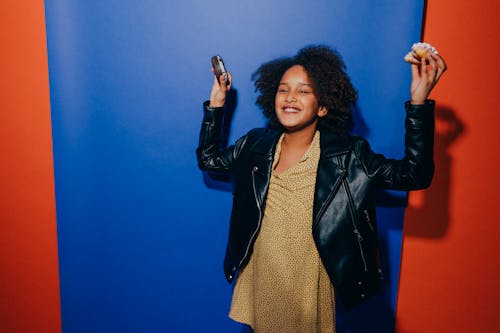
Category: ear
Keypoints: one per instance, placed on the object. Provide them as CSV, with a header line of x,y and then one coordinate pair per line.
x,y
322,111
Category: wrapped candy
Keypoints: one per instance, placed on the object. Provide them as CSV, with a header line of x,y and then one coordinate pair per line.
x,y
418,52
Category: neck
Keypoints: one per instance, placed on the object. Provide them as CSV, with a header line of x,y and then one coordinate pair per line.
x,y
301,138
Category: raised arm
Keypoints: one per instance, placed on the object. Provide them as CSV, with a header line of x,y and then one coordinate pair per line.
x,y
211,154
416,169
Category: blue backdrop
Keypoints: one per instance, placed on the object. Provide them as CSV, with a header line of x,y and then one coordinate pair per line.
x,y
141,232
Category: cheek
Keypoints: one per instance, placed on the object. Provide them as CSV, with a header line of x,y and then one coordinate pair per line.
x,y
316,104
277,101
311,103
277,98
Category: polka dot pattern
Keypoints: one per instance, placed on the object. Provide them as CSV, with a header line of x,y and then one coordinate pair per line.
x,y
284,287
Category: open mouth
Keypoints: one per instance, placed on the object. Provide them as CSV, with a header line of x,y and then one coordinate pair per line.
x,y
290,110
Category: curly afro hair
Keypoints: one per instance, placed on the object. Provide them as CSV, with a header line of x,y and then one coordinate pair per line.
x,y
331,85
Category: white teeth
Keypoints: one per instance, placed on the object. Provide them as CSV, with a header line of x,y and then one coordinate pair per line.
x,y
290,110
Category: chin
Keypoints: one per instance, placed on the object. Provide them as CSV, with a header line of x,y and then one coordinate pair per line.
x,y
289,125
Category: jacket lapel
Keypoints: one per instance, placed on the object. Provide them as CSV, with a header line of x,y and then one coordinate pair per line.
x,y
263,151
330,173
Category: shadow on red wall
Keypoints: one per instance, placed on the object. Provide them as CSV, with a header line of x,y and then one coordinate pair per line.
x,y
431,207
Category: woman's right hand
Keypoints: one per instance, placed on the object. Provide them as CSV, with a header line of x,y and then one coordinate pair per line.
x,y
219,91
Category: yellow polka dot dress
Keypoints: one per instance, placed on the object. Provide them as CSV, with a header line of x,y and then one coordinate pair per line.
x,y
284,287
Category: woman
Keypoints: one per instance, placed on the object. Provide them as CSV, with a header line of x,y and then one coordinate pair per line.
x,y
302,228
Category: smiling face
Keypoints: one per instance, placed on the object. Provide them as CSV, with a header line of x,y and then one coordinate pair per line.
x,y
295,103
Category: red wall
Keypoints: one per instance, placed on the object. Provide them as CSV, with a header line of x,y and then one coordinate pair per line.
x,y
29,287
450,262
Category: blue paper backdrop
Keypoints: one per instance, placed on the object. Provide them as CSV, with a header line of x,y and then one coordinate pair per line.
x,y
141,233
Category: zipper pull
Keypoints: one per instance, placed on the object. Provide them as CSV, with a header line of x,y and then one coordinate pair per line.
x,y
368,220
358,235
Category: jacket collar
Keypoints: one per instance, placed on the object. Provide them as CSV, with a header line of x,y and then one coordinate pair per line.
x,y
266,143
330,173
331,144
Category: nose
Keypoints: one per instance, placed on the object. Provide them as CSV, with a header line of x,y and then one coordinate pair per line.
x,y
290,97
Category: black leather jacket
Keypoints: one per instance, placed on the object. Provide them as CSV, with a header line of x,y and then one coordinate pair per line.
x,y
344,224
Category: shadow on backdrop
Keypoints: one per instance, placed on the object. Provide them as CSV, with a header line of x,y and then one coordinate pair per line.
x,y
431,206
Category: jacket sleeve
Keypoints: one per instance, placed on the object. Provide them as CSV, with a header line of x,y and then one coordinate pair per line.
x,y
212,155
416,169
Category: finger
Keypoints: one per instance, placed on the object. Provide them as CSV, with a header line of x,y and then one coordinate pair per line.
x,y
230,79
441,65
410,57
432,67
223,82
215,83
434,71
438,70
415,70
423,69
440,60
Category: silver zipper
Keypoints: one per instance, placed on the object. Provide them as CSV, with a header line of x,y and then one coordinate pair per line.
x,y
255,168
367,215
359,238
328,199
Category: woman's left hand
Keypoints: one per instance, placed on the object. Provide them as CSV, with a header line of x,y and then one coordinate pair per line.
x,y
425,76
